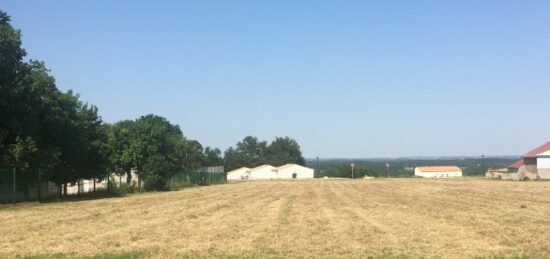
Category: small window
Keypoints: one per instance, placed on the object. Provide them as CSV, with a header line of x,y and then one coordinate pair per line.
x,y
530,160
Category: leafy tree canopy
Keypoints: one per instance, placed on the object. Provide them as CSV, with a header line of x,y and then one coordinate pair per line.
x,y
251,152
40,126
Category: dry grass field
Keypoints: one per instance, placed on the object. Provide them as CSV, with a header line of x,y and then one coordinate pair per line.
x,y
316,218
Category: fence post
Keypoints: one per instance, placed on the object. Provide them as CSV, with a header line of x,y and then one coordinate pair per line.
x,y
139,180
14,186
39,184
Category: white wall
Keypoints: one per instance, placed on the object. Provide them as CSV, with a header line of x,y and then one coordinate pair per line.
x,y
87,186
543,162
123,178
235,176
270,172
265,172
301,172
238,174
543,167
438,174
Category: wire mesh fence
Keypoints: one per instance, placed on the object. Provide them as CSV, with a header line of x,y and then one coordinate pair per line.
x,y
185,179
18,185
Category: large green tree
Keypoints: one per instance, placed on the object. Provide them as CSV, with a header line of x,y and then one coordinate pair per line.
x,y
151,139
251,152
232,159
344,170
40,126
212,157
284,150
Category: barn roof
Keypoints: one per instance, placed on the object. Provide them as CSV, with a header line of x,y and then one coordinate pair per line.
x,y
239,170
448,168
516,164
537,151
261,167
290,165
285,166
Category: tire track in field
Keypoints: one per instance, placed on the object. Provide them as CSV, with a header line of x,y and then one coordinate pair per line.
x,y
203,223
317,218
254,210
429,225
299,210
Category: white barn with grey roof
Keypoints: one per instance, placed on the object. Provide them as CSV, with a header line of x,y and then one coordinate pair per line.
x,y
294,171
242,173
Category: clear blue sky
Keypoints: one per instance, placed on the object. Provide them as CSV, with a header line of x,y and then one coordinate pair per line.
x,y
344,78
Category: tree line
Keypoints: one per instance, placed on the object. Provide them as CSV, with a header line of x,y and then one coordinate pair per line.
x,y
43,127
251,152
343,170
404,167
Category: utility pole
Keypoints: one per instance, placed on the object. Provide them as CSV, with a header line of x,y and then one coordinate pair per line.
x,y
39,184
352,166
14,186
316,167
482,164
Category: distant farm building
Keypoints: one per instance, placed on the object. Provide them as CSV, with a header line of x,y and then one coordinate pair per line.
x,y
263,172
438,171
85,186
123,178
242,173
294,171
508,173
269,172
502,173
533,165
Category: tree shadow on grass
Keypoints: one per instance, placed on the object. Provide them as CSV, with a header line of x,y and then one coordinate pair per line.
x,y
102,194
127,255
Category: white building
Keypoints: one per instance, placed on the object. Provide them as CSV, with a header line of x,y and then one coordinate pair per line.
x,y
86,186
293,171
242,173
123,178
269,172
543,165
263,172
535,164
438,171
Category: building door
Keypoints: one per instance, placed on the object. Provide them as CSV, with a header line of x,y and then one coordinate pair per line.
x,y
294,175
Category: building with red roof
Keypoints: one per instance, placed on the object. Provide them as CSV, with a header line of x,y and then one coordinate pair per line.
x,y
536,163
539,150
533,165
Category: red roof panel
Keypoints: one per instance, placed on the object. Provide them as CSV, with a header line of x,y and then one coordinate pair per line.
x,y
516,164
536,151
